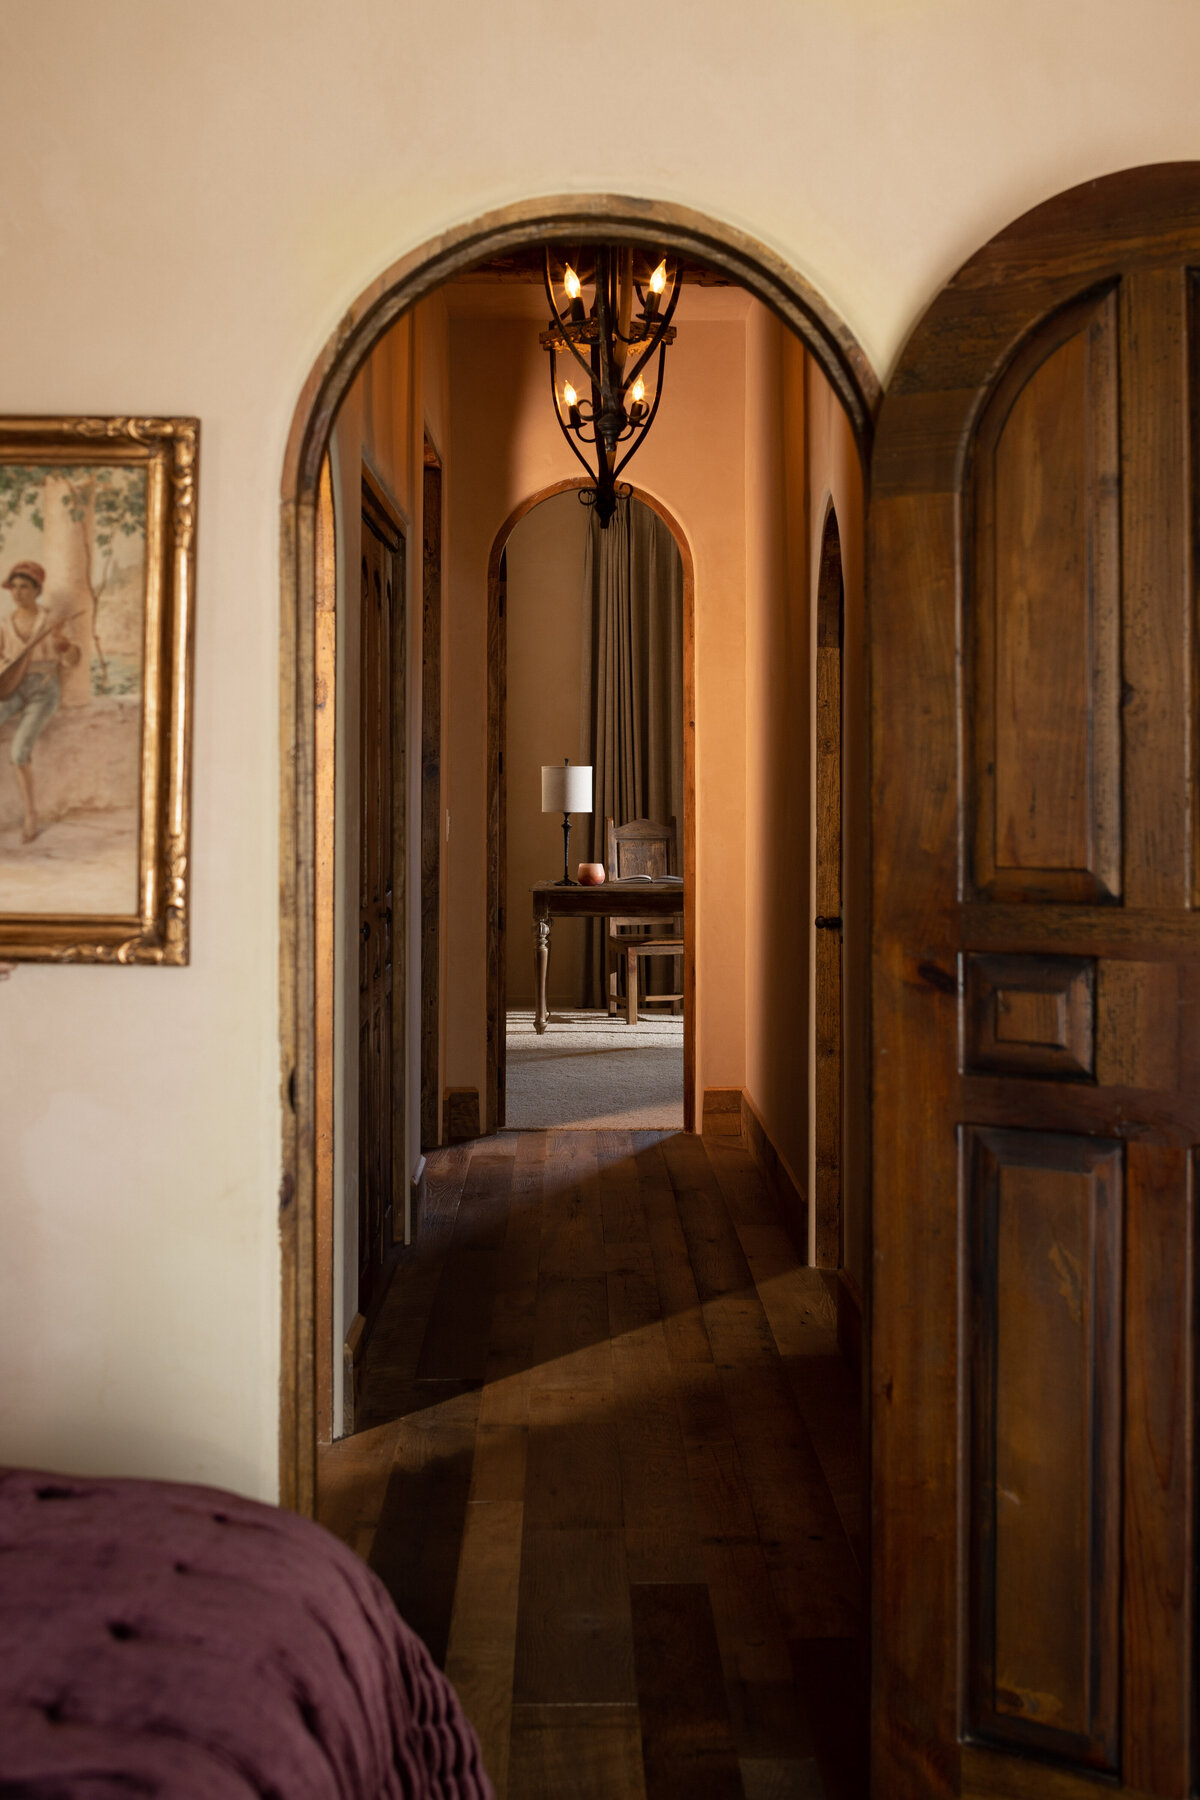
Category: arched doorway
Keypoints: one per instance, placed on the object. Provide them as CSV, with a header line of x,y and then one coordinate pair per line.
x,y
497,909
581,219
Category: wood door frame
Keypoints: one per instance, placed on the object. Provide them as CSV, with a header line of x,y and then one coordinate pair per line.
x,y
580,218
496,811
829,780
432,833
496,920
384,518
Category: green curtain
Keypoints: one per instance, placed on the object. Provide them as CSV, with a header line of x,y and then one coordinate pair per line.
x,y
632,694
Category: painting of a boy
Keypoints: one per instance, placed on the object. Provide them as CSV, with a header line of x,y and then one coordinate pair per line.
x,y
34,649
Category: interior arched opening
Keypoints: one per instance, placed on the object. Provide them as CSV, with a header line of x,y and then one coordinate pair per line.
x,y
641,747
770,431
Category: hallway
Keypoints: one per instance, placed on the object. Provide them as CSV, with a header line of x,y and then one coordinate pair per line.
x,y
609,1466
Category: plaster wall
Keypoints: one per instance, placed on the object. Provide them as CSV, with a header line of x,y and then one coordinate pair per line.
x,y
544,616
800,460
779,849
192,198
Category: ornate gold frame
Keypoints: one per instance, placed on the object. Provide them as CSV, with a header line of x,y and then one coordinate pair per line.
x,y
158,931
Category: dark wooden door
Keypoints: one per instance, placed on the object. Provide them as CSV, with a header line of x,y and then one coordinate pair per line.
x,y
380,1044
1036,1067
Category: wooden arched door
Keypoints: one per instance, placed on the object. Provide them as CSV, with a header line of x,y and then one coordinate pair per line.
x,y
1036,980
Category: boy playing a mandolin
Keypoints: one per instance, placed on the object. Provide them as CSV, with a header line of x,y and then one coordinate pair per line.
x,y
34,648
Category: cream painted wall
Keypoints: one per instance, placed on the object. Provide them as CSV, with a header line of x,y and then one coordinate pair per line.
x,y
544,664
192,197
800,459
778,867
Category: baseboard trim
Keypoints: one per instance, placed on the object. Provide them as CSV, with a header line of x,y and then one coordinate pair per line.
x,y
795,1201
721,1114
849,1321
460,1116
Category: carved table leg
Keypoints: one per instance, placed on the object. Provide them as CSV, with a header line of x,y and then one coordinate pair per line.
x,y
541,963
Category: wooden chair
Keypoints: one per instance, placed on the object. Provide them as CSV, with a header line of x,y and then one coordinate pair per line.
x,y
643,847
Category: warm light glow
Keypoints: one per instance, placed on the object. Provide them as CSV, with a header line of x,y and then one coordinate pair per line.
x,y
571,283
637,392
570,397
658,280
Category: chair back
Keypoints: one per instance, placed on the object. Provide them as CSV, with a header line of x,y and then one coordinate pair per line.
x,y
643,847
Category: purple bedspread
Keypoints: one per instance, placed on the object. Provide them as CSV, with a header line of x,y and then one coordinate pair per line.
x,y
166,1640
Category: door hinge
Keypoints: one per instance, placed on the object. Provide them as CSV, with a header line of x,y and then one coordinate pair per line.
x,y
824,923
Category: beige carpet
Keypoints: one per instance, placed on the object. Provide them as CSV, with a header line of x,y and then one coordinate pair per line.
x,y
592,1072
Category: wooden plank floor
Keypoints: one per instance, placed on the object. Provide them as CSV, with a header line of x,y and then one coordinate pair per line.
x,y
609,1465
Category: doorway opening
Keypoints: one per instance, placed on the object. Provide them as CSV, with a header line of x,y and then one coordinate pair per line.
x,y
670,1232
586,656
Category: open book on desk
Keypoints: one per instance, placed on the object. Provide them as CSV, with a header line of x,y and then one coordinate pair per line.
x,y
626,880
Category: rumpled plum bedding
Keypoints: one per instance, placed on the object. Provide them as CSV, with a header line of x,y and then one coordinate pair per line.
x,y
163,1640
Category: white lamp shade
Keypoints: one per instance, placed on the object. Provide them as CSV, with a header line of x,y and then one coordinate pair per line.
x,y
566,787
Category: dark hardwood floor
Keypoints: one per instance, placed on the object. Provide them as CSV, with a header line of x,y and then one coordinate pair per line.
x,y
609,1465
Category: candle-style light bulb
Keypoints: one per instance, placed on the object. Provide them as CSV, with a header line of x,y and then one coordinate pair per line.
x,y
570,396
637,397
574,295
654,291
571,402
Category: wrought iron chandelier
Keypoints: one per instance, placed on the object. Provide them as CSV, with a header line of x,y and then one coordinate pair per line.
x,y
614,343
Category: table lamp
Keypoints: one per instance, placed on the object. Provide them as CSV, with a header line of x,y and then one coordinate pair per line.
x,y
566,788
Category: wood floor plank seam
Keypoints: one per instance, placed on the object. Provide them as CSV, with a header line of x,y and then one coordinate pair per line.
x,y
614,1473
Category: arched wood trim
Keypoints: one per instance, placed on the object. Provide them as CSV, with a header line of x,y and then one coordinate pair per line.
x,y
578,218
495,872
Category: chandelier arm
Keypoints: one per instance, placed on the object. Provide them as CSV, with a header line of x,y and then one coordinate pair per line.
x,y
647,422
563,324
553,303
657,343
562,425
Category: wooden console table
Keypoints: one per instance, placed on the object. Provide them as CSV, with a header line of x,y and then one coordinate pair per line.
x,y
625,899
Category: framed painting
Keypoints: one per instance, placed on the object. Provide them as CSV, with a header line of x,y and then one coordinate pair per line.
x,y
97,569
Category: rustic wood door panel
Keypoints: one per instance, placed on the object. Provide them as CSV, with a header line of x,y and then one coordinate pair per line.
x,y
1042,1285
1036,987
1043,620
